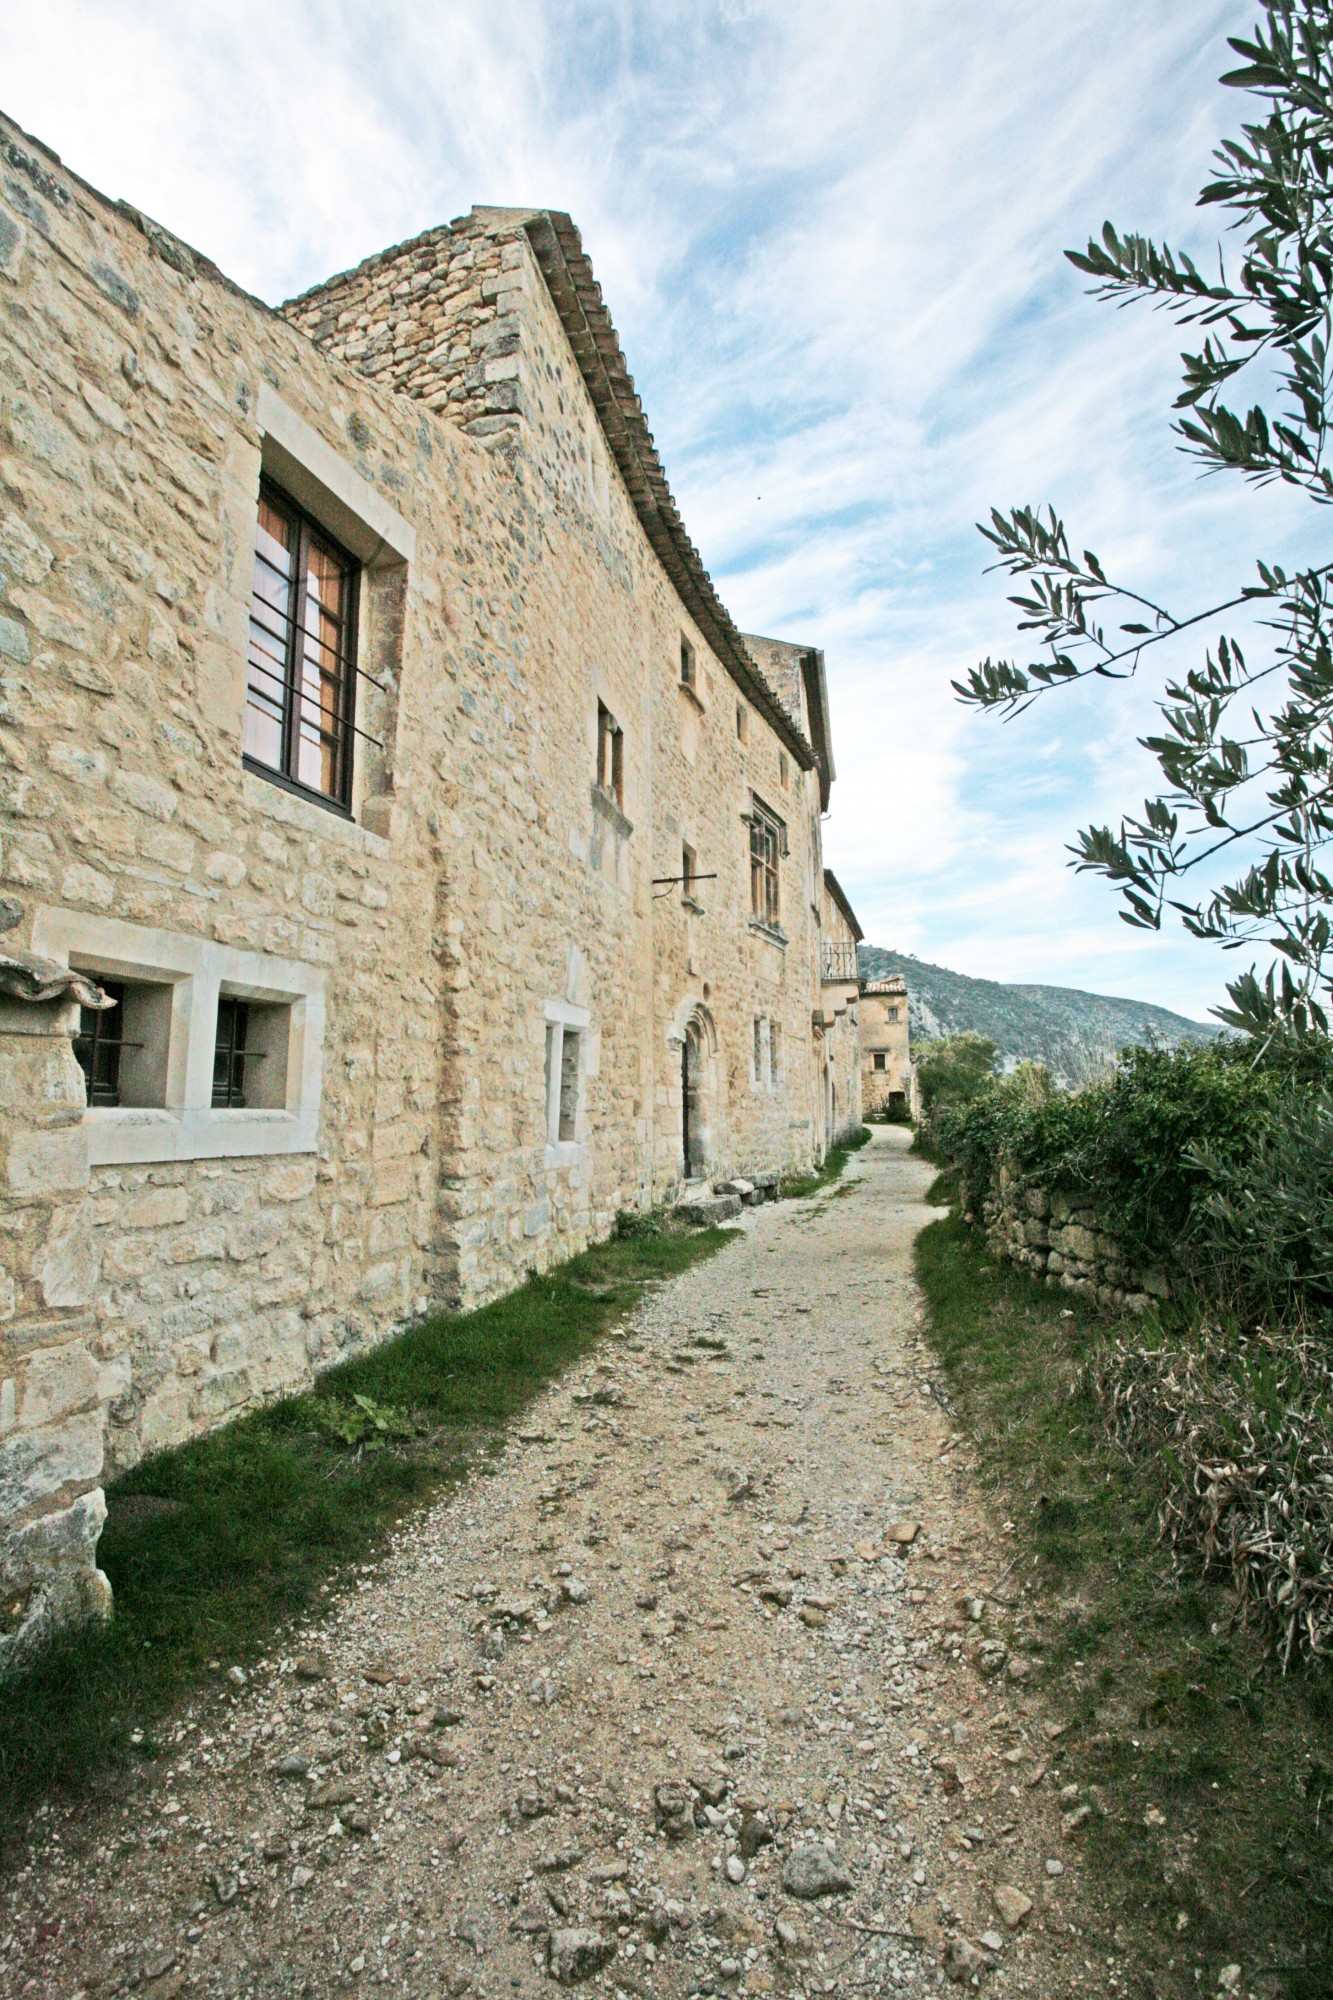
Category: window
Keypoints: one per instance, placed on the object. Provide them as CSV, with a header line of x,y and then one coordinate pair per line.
x,y
775,1053
98,1044
782,769
299,700
758,1050
742,722
218,1053
689,676
879,1059
893,1013
123,1051
610,755
689,862
229,1056
564,1076
766,845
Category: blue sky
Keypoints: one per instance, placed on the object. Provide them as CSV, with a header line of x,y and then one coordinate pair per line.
x,y
831,239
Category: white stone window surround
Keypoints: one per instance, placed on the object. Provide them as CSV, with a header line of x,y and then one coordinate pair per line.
x,y
564,1017
187,1127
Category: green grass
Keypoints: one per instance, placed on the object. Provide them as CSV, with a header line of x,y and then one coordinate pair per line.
x,y
795,1187
213,1548
1170,1709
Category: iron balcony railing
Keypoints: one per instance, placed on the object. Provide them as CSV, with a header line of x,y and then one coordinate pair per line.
x,y
837,963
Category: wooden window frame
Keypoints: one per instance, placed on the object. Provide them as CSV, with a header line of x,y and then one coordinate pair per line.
x,y
307,533
768,841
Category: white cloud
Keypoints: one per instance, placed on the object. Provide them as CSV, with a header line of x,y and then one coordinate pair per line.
x,y
831,239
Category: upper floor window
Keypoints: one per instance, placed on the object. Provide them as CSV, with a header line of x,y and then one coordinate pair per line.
x,y
766,845
610,755
782,769
689,868
742,722
689,670
299,701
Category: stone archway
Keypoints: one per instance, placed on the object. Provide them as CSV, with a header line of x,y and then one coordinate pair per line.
x,y
694,1044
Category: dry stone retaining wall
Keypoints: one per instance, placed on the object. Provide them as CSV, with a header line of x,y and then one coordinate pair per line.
x,y
1064,1242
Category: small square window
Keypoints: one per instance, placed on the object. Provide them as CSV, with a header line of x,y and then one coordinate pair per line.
x,y
742,722
250,1054
689,672
122,1051
610,755
879,1059
893,1013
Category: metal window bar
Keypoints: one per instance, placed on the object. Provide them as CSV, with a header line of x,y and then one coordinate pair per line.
x,y
303,642
230,1055
98,1053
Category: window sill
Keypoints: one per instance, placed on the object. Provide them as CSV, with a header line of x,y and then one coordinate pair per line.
x,y
563,1153
692,904
769,931
298,790
693,695
604,803
125,1135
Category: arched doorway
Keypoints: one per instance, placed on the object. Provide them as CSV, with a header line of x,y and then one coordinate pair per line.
x,y
693,1119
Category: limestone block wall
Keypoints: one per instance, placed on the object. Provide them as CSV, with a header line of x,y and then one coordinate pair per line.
x,y
480,888
1064,1242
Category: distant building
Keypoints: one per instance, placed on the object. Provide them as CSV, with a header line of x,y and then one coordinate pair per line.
x,y
837,1030
886,1056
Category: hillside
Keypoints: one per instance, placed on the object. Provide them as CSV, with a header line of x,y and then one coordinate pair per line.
x,y
1077,1035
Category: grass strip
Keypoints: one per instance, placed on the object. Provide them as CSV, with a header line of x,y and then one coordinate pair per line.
x,y
1213,1774
795,1187
214,1547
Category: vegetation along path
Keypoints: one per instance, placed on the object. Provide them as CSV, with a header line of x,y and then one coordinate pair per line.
x,y
714,1680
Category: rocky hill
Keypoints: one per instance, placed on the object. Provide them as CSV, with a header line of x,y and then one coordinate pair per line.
x,y
1077,1035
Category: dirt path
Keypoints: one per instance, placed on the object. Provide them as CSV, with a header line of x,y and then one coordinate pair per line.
x,y
620,1704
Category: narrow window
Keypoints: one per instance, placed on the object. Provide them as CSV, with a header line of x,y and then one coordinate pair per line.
x,y
569,1086
610,755
299,701
758,1050
98,1044
775,1053
688,666
742,722
689,862
879,1059
782,769
766,844
230,1055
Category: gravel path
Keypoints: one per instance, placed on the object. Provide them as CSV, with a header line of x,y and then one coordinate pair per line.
x,y
714,1680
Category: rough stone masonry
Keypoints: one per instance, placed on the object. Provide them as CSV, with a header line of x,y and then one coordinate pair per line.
x,y
373,738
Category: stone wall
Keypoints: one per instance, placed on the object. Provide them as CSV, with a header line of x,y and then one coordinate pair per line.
x,y
1058,1238
482,886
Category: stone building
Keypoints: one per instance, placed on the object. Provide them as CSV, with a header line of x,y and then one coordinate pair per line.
x,y
887,1080
407,864
838,1038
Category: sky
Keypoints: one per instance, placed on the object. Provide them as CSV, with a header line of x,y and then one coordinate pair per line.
x,y
831,240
